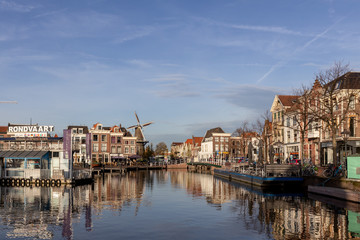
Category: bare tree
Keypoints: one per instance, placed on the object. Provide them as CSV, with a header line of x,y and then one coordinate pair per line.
x,y
259,127
334,102
241,132
301,115
161,148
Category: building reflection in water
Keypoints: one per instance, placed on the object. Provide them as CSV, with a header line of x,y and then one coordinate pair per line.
x,y
47,212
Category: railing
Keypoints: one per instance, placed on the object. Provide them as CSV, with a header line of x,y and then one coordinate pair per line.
x,y
82,174
28,173
179,161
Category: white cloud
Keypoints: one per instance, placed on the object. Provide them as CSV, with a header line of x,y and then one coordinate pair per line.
x,y
14,6
174,86
249,97
140,63
258,28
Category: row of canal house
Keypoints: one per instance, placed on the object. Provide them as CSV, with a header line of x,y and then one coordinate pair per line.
x,y
281,139
285,133
31,150
216,146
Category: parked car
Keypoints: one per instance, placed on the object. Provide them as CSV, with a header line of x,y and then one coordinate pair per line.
x,y
243,160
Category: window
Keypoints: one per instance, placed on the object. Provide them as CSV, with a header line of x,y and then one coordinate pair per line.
x,y
103,138
74,131
295,137
337,86
118,140
352,126
288,122
93,157
288,136
132,150
216,139
226,139
55,154
216,147
95,147
119,150
113,149
81,130
132,142
113,139
95,138
221,139
126,149
106,158
126,142
99,127
103,147
100,158
352,102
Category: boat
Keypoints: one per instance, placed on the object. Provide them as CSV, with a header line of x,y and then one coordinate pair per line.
x,y
274,181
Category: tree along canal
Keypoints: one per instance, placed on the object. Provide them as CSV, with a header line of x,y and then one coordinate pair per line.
x,y
170,205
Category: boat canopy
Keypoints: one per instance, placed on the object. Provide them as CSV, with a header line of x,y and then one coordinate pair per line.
x,y
22,154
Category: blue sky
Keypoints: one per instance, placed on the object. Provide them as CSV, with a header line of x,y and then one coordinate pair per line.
x,y
186,65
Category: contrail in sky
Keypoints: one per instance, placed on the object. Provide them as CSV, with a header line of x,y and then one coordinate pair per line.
x,y
297,50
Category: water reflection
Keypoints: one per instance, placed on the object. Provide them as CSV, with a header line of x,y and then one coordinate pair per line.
x,y
71,213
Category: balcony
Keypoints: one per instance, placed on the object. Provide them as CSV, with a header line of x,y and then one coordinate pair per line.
x,y
314,134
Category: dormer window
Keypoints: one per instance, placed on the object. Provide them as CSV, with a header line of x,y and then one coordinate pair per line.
x,y
99,127
337,86
80,130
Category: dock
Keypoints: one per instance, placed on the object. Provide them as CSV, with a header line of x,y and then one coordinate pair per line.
x,y
340,193
124,169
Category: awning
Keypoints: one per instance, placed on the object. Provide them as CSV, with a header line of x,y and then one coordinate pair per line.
x,y
118,157
22,154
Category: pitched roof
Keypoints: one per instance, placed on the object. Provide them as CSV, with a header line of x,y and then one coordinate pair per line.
x,y
350,80
176,143
126,132
3,129
189,141
287,100
197,140
213,130
85,128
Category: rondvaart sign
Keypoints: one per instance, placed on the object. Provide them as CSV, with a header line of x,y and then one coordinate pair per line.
x,y
30,129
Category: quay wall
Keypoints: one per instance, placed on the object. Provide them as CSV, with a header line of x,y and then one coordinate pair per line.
x,y
350,184
177,166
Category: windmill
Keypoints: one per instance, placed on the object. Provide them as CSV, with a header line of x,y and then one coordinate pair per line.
x,y
140,138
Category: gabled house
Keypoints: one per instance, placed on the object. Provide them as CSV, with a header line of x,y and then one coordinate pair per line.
x,y
282,125
215,146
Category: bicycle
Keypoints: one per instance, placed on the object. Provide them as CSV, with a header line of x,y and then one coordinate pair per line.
x,y
310,170
331,171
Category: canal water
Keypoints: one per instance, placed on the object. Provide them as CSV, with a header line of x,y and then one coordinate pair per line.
x,y
171,205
